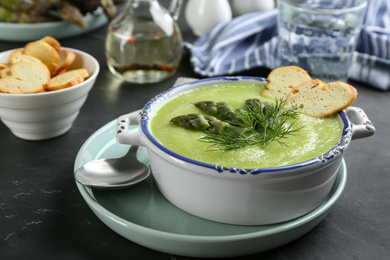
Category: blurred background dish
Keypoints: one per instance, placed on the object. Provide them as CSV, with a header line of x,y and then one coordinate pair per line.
x,y
21,32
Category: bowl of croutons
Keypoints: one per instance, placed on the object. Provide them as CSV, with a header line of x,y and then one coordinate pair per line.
x,y
43,86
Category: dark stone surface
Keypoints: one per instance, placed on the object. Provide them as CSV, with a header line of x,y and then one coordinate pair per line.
x,y
43,215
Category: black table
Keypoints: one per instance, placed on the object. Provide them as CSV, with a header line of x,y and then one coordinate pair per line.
x,y
43,215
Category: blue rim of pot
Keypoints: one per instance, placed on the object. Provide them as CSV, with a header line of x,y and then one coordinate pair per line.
x,y
327,157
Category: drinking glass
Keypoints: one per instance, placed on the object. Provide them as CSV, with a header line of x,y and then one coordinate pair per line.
x,y
319,36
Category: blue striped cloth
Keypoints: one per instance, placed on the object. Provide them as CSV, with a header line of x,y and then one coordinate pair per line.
x,y
250,41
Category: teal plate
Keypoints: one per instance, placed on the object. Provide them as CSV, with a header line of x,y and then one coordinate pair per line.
x,y
142,215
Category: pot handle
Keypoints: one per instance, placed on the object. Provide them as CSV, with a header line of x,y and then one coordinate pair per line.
x,y
363,127
123,136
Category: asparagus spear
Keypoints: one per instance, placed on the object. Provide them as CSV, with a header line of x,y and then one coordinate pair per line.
x,y
16,5
222,110
191,121
259,124
109,8
220,127
12,16
71,14
72,11
36,7
24,11
256,103
208,123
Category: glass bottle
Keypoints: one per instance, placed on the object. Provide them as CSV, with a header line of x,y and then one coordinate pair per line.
x,y
143,42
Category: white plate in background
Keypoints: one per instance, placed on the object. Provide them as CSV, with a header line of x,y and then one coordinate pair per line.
x,y
23,32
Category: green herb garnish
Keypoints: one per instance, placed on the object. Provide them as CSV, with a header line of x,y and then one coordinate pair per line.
x,y
259,123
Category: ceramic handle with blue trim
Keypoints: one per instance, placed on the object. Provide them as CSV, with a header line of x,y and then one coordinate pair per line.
x,y
362,126
123,136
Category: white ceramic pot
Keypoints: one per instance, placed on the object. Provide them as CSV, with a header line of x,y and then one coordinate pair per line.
x,y
237,195
46,115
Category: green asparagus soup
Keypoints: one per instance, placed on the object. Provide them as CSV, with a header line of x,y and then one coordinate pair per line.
x,y
314,136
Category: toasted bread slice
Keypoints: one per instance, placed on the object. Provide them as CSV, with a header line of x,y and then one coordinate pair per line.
x,y
14,52
283,79
44,52
61,71
318,99
27,58
4,70
68,79
52,42
66,58
30,72
5,73
3,66
13,85
83,72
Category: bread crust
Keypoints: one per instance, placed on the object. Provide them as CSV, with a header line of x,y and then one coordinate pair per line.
x,y
67,79
66,59
5,73
44,52
14,52
13,85
40,66
3,66
66,84
52,42
282,80
30,72
319,99
27,58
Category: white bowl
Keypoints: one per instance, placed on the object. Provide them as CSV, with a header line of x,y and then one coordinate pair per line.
x,y
46,115
237,195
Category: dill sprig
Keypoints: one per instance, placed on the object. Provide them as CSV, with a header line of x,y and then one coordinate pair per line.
x,y
264,124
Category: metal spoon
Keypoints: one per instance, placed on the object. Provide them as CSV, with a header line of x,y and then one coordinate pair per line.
x,y
113,173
